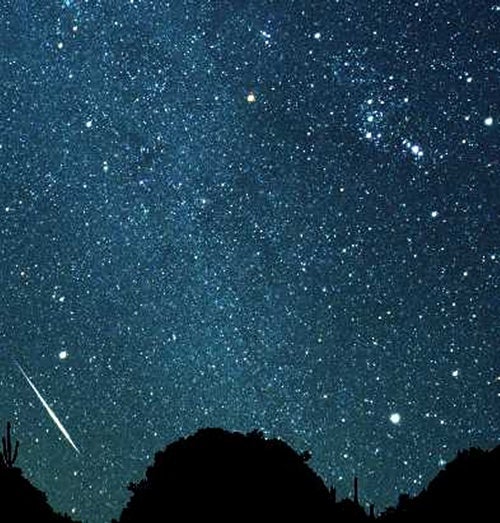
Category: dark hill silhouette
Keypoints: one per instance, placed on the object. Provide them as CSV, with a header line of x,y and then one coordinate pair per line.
x,y
216,475
20,501
465,490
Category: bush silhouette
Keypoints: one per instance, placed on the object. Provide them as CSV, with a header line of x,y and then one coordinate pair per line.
x,y
217,475
20,501
465,490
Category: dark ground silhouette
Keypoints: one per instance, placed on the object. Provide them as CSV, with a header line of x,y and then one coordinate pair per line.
x,y
216,475
467,489
20,501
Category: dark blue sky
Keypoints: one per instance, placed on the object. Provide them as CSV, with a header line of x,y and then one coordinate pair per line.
x,y
275,215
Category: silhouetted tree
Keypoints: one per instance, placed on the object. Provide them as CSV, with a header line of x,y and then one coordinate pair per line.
x,y
228,476
224,476
465,490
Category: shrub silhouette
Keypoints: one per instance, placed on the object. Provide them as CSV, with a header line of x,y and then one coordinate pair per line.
x,y
465,490
217,475
20,501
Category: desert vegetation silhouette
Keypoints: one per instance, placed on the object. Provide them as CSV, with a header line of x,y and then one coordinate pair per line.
x,y
217,475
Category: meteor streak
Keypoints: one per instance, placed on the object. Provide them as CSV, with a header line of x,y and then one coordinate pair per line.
x,y
52,414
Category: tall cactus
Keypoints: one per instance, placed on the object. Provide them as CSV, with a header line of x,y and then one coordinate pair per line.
x,y
7,457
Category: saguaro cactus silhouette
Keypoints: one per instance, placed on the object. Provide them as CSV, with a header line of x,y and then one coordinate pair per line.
x,y
7,457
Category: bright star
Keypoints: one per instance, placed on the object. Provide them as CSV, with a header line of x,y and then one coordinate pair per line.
x,y
395,418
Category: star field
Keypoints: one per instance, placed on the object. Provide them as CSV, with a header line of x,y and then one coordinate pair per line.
x,y
273,215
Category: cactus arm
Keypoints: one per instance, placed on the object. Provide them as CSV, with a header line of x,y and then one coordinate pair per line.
x,y
7,457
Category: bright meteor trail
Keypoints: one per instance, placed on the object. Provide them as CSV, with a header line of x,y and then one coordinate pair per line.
x,y
52,414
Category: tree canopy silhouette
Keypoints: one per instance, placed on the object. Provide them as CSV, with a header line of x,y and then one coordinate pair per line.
x,y
465,490
216,475
228,476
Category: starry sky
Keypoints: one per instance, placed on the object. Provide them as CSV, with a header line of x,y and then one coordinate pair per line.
x,y
249,214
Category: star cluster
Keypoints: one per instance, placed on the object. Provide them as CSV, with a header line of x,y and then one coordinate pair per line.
x,y
273,215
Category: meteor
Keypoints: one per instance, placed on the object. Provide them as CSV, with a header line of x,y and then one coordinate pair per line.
x,y
52,414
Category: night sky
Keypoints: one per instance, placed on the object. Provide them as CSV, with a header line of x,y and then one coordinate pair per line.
x,y
249,214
